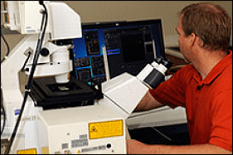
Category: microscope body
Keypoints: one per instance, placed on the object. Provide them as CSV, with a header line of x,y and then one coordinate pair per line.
x,y
121,94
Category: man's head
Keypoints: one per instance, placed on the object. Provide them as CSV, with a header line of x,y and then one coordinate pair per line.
x,y
209,22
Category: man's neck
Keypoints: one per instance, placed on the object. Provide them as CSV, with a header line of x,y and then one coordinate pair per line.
x,y
207,60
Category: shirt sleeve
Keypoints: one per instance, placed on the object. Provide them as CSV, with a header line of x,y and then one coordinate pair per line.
x,y
221,129
172,91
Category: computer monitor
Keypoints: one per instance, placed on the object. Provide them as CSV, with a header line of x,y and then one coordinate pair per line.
x,y
109,49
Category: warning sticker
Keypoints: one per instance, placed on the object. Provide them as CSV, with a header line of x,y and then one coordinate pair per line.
x,y
28,151
105,129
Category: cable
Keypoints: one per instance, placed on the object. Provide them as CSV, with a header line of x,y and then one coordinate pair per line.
x,y
4,118
7,45
23,68
163,135
28,86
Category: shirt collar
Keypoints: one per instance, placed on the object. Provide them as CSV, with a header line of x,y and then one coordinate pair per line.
x,y
218,69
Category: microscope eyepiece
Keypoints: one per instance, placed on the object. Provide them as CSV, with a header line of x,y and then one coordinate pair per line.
x,y
167,63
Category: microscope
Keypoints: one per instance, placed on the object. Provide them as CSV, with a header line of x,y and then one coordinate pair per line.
x,y
98,128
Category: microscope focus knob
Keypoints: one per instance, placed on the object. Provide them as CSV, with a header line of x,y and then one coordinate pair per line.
x,y
44,52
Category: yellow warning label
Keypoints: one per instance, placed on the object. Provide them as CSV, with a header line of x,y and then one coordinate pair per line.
x,y
105,129
27,151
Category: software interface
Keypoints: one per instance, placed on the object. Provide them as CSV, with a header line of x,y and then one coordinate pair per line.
x,y
125,47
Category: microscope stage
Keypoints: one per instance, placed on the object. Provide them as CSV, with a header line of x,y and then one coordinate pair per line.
x,y
46,92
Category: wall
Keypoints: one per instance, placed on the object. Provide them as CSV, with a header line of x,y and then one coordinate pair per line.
x,y
92,11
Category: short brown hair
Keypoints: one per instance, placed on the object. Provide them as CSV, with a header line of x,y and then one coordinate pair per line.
x,y
209,22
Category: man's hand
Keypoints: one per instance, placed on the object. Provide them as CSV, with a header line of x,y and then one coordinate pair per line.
x,y
136,147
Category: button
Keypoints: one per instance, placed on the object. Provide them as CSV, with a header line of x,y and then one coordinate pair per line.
x,y
198,87
109,146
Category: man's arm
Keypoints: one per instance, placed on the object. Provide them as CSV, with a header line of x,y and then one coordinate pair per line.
x,y
148,102
136,147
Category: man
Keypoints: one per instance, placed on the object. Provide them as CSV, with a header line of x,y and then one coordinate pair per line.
x,y
204,88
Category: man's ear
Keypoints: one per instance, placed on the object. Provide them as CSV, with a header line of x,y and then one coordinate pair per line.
x,y
195,39
192,38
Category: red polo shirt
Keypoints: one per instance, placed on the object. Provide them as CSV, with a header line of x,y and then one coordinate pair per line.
x,y
208,102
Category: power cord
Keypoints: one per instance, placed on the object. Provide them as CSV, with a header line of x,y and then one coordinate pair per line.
x,y
28,86
23,68
7,45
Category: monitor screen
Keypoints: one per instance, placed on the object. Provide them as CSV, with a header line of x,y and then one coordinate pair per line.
x,y
116,47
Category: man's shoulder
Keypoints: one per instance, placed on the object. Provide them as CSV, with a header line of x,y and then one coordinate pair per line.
x,y
188,70
184,74
225,78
